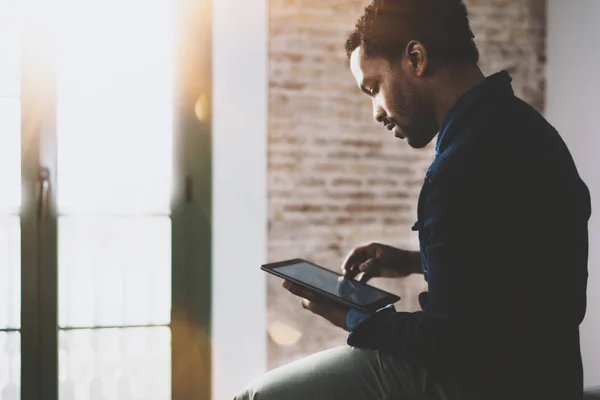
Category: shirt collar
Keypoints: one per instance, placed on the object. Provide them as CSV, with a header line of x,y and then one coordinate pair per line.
x,y
496,84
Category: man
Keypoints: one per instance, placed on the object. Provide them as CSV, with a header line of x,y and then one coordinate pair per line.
x,y
502,224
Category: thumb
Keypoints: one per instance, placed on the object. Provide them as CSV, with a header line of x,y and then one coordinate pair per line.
x,y
313,307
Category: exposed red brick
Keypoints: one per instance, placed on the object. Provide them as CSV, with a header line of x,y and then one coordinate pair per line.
x,y
346,182
370,144
397,195
382,182
313,182
396,221
343,154
303,208
362,195
379,208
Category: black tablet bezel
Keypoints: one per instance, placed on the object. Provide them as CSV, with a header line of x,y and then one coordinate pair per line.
x,y
372,307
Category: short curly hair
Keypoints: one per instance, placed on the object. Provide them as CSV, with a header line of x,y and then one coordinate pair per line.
x,y
442,26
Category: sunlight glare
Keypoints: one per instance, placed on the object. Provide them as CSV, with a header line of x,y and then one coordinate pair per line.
x,y
115,71
283,334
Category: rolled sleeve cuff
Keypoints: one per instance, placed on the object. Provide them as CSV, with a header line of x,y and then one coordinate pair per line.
x,y
356,317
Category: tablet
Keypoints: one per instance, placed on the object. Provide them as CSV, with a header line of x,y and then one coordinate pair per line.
x,y
334,286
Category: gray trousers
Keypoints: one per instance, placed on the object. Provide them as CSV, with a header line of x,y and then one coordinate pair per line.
x,y
347,373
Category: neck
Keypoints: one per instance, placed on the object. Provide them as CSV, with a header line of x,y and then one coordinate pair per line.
x,y
451,83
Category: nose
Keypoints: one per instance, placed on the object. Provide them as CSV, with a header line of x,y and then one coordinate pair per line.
x,y
379,114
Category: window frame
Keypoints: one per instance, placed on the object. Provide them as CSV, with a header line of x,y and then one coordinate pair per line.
x,y
190,212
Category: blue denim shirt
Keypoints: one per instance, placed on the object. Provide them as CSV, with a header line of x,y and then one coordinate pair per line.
x,y
502,224
355,317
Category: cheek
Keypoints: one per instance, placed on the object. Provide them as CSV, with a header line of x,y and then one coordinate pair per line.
x,y
399,101
389,105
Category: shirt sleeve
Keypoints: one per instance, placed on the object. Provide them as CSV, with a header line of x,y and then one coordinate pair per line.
x,y
355,317
455,241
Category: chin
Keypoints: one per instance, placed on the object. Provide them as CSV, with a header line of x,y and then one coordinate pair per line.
x,y
419,141
416,144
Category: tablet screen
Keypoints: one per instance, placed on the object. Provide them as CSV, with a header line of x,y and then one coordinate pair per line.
x,y
332,283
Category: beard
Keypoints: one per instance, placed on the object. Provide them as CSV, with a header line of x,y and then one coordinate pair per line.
x,y
414,115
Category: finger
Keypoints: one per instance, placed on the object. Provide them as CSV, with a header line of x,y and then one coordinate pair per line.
x,y
316,308
337,316
353,259
351,272
309,305
299,291
370,269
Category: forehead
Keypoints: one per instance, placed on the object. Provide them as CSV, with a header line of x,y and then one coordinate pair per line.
x,y
364,68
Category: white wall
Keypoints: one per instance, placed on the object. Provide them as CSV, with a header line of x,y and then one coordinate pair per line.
x,y
239,193
573,106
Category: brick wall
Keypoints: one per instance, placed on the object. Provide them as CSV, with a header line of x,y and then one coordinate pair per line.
x,y
335,178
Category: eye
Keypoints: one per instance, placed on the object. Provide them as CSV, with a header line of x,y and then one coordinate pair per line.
x,y
370,91
375,90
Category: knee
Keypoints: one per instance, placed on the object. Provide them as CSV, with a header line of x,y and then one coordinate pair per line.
x,y
248,393
243,396
262,389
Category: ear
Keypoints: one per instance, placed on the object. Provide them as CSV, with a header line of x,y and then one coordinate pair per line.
x,y
416,58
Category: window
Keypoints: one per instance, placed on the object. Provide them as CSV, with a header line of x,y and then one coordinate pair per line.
x,y
100,240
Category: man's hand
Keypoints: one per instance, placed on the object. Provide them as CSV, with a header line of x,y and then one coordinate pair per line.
x,y
380,260
334,313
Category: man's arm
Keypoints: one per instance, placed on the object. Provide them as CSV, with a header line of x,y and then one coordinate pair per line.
x,y
415,264
381,260
458,246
